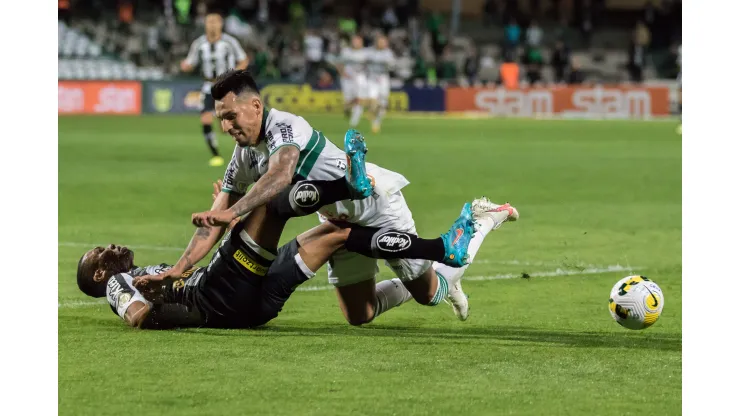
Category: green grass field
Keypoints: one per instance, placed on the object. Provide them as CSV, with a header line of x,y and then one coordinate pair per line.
x,y
596,199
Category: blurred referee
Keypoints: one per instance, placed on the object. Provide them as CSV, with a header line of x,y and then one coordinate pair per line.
x,y
216,52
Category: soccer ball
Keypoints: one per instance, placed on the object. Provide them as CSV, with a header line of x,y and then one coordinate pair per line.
x,y
636,302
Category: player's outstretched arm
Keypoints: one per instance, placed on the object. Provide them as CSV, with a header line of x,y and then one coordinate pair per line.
x,y
278,177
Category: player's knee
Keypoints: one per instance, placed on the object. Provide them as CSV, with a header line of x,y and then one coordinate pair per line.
x,y
206,118
423,298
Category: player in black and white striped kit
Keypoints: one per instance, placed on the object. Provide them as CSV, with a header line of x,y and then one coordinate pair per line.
x,y
215,52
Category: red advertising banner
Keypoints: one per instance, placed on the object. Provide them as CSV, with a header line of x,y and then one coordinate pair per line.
x,y
94,97
576,102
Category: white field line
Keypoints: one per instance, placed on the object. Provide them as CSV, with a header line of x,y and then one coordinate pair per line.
x,y
551,273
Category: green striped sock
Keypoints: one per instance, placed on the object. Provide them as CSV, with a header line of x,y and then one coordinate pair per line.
x,y
441,291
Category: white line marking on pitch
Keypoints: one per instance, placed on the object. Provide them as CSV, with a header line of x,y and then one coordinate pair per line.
x,y
553,273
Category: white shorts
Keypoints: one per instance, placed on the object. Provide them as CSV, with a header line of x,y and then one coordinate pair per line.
x,y
379,88
347,268
354,88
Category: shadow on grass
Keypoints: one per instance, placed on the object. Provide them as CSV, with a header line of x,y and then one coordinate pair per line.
x,y
512,334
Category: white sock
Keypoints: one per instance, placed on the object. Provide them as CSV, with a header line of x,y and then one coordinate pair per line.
x,y
356,115
389,294
454,274
380,115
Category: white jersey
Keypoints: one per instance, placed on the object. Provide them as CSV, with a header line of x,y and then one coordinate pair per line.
x,y
354,61
319,159
379,62
215,58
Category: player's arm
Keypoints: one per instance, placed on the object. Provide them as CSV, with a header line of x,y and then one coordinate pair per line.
x,y
189,63
136,314
278,177
241,57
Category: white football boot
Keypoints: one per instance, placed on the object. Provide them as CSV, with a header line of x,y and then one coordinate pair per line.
x,y
483,209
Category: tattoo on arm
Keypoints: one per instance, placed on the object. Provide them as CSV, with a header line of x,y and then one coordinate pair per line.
x,y
278,177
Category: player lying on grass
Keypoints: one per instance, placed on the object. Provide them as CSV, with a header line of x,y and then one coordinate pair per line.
x,y
225,294
276,147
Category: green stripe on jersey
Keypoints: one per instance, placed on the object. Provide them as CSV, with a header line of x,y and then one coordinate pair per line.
x,y
310,154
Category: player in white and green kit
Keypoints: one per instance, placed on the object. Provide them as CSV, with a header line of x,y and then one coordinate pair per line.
x,y
274,148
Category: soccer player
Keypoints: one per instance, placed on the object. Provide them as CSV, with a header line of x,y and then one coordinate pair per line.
x,y
352,69
275,147
216,52
243,286
380,61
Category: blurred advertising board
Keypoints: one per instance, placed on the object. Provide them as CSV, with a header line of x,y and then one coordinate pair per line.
x,y
185,96
99,97
172,96
563,101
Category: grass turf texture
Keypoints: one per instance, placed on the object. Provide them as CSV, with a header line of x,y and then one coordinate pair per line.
x,y
591,194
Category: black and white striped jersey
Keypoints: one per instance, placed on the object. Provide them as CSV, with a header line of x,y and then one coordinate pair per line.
x,y
215,58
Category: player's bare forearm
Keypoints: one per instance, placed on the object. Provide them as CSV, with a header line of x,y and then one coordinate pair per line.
x,y
204,238
278,177
242,64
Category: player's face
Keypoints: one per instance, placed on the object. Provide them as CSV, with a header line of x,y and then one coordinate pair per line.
x,y
113,258
214,24
241,118
382,43
356,42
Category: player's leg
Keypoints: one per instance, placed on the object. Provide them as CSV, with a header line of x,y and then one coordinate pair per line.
x,y
208,106
360,85
373,94
384,91
488,217
349,96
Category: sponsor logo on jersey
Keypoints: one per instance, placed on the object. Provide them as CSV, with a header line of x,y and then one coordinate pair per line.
x,y
189,272
393,241
123,298
249,263
306,195
115,288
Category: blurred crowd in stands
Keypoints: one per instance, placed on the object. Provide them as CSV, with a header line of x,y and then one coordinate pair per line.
x,y
533,41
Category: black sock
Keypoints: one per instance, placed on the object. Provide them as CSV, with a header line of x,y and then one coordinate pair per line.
x,y
210,138
306,197
384,243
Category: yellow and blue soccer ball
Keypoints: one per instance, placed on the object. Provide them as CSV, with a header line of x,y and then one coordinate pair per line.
x,y
636,302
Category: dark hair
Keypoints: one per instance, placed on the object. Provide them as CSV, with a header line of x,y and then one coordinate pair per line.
x,y
86,283
237,81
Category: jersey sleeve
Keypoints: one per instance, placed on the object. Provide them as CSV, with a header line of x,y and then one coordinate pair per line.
x,y
236,178
193,55
287,133
238,50
121,293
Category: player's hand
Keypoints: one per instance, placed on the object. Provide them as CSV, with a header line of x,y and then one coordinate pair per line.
x,y
217,188
213,218
143,282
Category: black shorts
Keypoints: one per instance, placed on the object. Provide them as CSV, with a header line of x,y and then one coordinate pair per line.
x,y
207,103
228,298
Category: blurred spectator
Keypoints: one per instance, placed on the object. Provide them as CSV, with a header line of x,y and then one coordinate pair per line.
x,y
404,65
533,61
560,61
576,75
389,20
586,21
297,15
293,63
325,80
562,31
64,11
637,52
420,69
509,75
314,49
447,69
235,25
347,28
439,39
512,33
201,10
472,66
534,34
183,11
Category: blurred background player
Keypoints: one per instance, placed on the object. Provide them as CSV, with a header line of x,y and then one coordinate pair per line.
x,y
379,63
215,52
352,68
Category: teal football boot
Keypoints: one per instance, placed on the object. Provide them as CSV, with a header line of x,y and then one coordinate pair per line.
x,y
456,240
355,148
